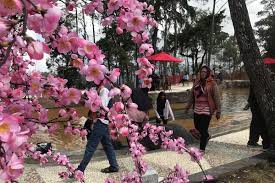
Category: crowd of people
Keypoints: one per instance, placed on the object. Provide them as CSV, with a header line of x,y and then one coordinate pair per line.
x,y
204,99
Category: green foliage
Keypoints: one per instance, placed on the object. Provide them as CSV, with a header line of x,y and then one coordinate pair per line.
x,y
74,77
266,27
120,53
195,37
230,54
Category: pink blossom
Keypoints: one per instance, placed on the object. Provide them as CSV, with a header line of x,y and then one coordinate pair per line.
x,y
92,52
63,175
10,7
51,19
195,154
43,115
71,95
68,130
95,72
132,105
89,48
35,87
73,114
76,131
35,50
178,175
43,159
119,30
63,31
113,92
15,141
63,113
208,177
94,101
78,63
74,56
4,28
143,62
70,6
142,73
114,74
151,9
8,124
135,22
113,5
35,22
152,22
64,45
125,91
124,131
20,42
118,106
17,93
109,180
13,169
83,133
53,128
107,21
147,83
78,175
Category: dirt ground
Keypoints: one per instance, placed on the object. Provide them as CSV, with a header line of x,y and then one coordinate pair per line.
x,y
263,173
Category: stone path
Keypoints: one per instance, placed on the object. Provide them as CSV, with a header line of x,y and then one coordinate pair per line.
x,y
220,150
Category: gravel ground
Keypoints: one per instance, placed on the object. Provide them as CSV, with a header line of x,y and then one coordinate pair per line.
x,y
220,150
262,173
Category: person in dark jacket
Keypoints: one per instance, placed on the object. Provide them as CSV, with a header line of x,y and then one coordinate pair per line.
x,y
258,125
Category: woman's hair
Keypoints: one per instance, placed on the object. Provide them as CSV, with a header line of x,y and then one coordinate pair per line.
x,y
141,98
160,95
208,70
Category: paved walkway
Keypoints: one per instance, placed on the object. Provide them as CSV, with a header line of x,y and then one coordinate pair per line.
x,y
176,88
220,150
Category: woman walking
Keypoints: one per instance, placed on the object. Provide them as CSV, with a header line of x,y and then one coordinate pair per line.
x,y
163,109
206,101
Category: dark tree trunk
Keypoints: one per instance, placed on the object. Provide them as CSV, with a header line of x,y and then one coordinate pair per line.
x,y
255,68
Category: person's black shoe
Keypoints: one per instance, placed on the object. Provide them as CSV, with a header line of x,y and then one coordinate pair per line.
x,y
109,169
254,145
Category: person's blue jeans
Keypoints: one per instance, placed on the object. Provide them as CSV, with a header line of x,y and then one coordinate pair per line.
x,y
99,133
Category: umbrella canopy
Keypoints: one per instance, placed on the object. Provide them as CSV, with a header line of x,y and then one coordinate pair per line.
x,y
269,60
163,57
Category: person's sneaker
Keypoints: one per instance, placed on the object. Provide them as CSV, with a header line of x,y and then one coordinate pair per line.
x,y
109,169
254,145
202,152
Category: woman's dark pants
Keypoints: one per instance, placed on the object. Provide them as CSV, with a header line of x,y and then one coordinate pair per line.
x,y
201,122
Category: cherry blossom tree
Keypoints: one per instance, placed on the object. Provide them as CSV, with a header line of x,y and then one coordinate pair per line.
x,y
21,91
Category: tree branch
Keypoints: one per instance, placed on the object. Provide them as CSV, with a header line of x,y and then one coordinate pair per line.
x,y
9,49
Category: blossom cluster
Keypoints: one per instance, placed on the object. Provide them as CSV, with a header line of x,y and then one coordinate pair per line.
x,y
21,91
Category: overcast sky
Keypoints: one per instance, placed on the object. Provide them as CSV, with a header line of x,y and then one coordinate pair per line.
x,y
253,7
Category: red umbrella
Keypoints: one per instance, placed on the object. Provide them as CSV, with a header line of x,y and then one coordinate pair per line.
x,y
163,57
269,60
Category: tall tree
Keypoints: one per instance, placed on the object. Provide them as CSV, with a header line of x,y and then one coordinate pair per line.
x,y
119,52
266,27
194,38
255,68
230,54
